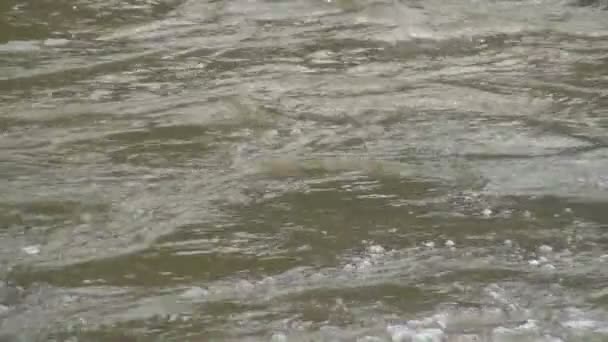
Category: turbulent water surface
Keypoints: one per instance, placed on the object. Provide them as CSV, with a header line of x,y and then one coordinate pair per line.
x,y
304,170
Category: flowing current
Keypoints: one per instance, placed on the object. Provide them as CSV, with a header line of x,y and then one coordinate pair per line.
x,y
304,170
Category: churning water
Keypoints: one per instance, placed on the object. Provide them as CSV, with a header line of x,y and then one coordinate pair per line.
x,y
304,170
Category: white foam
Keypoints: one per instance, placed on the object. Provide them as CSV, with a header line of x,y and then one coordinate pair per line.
x,y
414,331
31,250
548,267
278,337
581,324
525,332
3,308
244,285
429,335
429,244
370,339
548,338
376,249
400,333
194,292
364,264
487,212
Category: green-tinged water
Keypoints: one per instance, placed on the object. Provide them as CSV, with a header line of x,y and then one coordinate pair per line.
x,y
304,170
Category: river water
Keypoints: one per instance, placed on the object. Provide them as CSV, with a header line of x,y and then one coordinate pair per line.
x,y
304,170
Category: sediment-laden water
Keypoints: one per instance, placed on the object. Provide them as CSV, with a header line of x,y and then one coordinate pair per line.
x,y
304,170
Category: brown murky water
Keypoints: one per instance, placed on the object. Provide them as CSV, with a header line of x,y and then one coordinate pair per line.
x,y
304,170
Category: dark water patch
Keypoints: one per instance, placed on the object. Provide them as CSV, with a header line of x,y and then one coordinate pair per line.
x,y
319,304
159,133
474,275
154,268
600,4
62,76
40,19
101,335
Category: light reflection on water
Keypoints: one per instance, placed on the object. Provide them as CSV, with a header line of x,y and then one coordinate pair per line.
x,y
303,170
